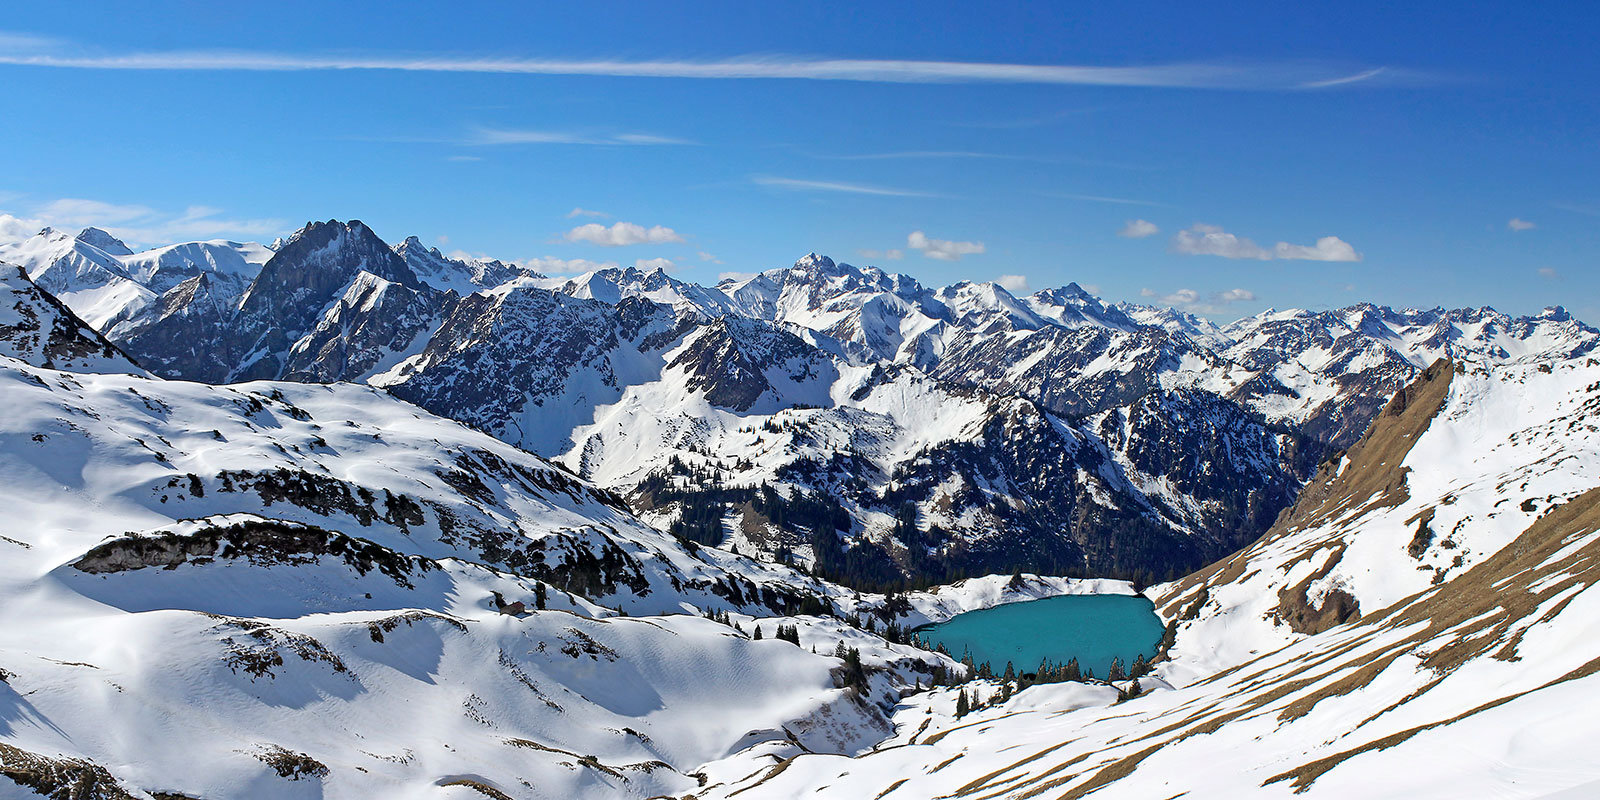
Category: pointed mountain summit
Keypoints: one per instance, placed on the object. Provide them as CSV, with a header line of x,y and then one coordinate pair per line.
x,y
463,276
104,241
313,267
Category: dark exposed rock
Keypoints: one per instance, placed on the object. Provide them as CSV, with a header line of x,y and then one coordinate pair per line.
x,y
263,542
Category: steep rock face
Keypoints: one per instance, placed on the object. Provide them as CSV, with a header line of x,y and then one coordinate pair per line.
x,y
1219,468
184,334
1075,371
375,324
734,363
501,359
310,270
37,328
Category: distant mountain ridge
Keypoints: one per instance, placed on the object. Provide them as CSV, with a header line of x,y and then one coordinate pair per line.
x,y
937,432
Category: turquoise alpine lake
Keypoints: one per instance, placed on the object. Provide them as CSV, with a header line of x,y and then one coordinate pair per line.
x,y
1093,628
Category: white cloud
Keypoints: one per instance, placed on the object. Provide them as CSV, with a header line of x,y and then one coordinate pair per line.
x,y
648,264
1210,240
1549,272
801,185
892,254
1138,229
443,239
942,249
1327,248
15,229
704,256
36,52
1520,225
1015,284
622,234
734,276
1195,302
580,211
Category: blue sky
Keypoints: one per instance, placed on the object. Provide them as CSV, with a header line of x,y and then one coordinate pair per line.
x,y
1258,150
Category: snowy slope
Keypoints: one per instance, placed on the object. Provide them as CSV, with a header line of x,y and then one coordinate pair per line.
x,y
274,589
162,268
1421,625
92,282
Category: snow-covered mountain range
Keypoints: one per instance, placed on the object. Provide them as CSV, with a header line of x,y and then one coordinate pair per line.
x,y
336,582
904,432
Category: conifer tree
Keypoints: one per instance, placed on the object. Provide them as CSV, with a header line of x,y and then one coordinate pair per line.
x,y
962,706
539,592
757,635
1115,673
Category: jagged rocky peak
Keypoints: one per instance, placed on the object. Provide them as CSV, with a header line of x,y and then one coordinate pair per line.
x,y
812,261
342,248
464,275
104,241
820,271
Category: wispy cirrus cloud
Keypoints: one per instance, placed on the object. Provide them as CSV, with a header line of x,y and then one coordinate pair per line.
x,y
802,185
506,136
1518,225
1116,201
137,225
26,50
928,154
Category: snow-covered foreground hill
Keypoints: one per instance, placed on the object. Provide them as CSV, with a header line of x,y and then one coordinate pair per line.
x,y
1425,623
